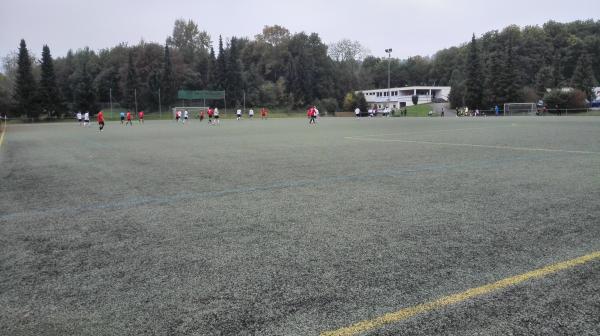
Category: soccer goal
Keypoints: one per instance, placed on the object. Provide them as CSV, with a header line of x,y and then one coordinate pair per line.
x,y
193,111
520,109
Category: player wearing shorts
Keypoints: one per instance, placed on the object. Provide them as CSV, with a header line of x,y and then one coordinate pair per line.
x,y
210,113
201,115
128,117
141,117
251,114
185,116
310,113
122,114
263,113
177,116
100,121
216,113
238,113
86,119
79,118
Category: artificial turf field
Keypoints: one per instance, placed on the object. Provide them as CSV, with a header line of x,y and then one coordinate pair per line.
x,y
277,228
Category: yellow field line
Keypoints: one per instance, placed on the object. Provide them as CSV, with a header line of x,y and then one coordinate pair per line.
x,y
405,313
473,145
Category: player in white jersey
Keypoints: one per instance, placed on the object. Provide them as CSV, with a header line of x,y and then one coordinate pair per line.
x,y
217,116
185,116
251,113
79,118
86,119
238,113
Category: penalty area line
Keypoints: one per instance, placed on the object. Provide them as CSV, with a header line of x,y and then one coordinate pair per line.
x,y
474,145
406,313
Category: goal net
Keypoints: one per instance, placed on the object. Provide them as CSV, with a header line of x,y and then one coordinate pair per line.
x,y
520,109
193,111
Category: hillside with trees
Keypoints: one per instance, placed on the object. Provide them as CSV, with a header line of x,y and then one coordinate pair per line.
x,y
278,68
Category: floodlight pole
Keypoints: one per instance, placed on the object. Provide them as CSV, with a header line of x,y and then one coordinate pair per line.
x,y
110,99
389,52
135,98
159,105
244,108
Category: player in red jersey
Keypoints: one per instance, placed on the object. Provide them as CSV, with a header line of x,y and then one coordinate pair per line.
x,y
128,117
263,113
101,120
312,114
210,113
141,117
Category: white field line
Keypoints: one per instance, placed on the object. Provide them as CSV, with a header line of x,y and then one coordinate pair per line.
x,y
474,145
435,131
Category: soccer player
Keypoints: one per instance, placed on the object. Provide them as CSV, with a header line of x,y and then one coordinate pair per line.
x,y
216,113
128,116
185,116
177,116
141,117
122,114
251,114
357,112
201,115
100,121
238,113
79,118
263,113
86,119
210,113
310,113
316,113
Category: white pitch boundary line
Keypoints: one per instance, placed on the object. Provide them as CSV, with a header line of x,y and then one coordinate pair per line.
x,y
474,145
436,131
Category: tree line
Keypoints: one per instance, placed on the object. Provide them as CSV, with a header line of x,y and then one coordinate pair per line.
x,y
278,68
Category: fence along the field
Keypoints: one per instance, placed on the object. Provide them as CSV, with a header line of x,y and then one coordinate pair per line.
x,y
587,111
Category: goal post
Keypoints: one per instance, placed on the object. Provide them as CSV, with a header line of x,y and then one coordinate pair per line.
x,y
520,109
198,100
193,111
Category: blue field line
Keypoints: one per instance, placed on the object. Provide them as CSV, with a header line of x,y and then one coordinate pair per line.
x,y
165,200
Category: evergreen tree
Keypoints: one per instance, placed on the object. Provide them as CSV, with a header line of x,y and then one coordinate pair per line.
x,y
493,87
234,82
474,80
25,84
221,73
211,75
168,91
457,90
49,95
544,80
362,102
130,87
583,77
509,78
85,95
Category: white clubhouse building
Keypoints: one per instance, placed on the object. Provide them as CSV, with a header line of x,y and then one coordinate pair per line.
x,y
395,98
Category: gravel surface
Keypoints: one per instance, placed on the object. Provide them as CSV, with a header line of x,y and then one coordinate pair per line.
x,y
277,228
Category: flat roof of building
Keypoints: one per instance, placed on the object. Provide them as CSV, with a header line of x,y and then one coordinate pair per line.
x,y
411,88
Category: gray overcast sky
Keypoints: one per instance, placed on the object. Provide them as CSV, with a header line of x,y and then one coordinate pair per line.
x,y
410,27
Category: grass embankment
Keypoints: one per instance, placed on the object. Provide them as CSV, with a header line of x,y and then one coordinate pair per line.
x,y
420,110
